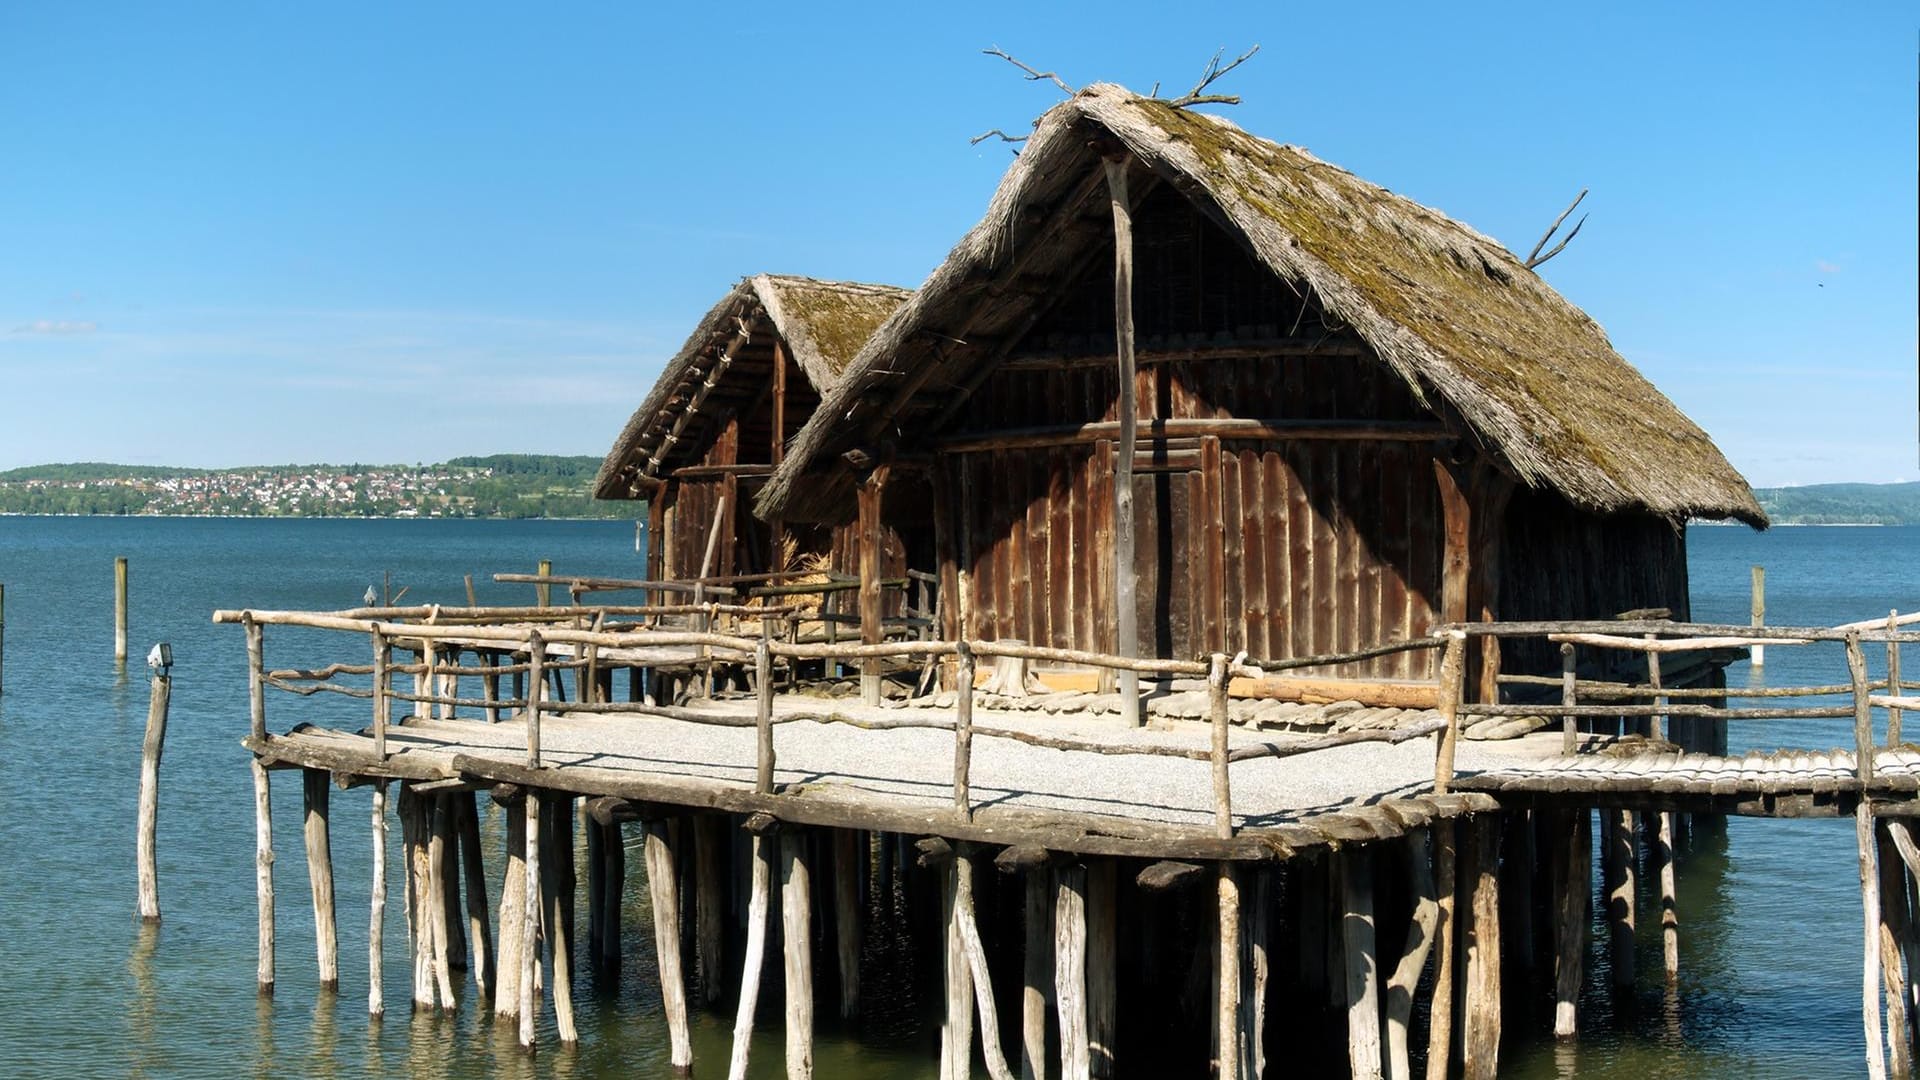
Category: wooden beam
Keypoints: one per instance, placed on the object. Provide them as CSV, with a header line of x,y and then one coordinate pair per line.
x,y
1158,431
1127,632
1362,963
663,891
1480,1036
872,494
1256,349
796,938
1070,970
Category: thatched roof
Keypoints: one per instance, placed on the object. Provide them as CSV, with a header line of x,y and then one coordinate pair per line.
x,y
822,323
1480,338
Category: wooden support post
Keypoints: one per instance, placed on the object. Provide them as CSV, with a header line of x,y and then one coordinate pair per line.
x,y
1759,612
1037,975
1227,968
1570,727
159,693
709,903
872,492
956,1027
262,809
120,609
1070,969
1665,858
847,872
758,897
1895,927
382,701
536,689
1480,1034
1258,919
1126,615
377,908
1405,979
1362,965
513,904
1103,976
596,896
1870,904
763,717
557,911
963,733
531,874
473,866
796,937
663,891
1573,861
314,788
978,976
544,592
415,824
1893,678
1220,719
613,854
440,911
1621,867
1453,664
448,867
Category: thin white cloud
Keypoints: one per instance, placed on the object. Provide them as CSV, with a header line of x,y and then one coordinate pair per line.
x,y
56,327
1826,267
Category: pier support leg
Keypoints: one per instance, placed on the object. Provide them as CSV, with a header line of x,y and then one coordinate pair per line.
x,y
956,1030
981,978
1664,853
1355,879
556,872
1259,920
613,854
1870,904
315,786
796,937
159,693
377,909
1070,969
1572,863
415,823
663,891
1103,918
1405,979
447,866
531,875
596,897
473,866
1621,867
1037,977
1480,1036
441,912
1227,990
758,896
513,903
1440,1017
847,872
710,902
1894,929
263,873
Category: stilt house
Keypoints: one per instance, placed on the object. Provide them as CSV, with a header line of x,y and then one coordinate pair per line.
x,y
715,424
1356,417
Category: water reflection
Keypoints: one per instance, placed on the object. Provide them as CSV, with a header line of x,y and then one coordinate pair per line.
x,y
142,1027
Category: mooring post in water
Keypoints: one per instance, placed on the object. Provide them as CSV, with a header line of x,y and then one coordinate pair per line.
x,y
160,692
262,800
377,913
1759,611
120,609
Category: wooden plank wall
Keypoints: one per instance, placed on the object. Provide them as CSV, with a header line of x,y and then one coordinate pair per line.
x,y
1263,553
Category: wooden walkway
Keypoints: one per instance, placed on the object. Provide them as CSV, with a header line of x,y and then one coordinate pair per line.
x,y
848,774
1784,783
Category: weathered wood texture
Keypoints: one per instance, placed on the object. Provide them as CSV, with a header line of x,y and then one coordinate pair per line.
x,y
1479,876
146,837
796,937
315,789
663,892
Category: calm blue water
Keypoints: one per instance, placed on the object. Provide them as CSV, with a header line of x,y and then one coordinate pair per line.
x,y
1771,922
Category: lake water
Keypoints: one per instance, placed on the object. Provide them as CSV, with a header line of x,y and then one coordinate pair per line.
x,y
1771,917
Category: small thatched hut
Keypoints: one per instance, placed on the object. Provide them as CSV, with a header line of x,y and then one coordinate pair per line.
x,y
716,423
1356,416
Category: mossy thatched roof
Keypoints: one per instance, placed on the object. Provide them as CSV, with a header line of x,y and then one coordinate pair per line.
x,y
822,323
1478,336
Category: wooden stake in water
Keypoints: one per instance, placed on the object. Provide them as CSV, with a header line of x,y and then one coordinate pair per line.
x,y
1759,611
161,691
120,609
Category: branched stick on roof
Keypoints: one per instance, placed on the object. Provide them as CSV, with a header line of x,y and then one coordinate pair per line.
x,y
1198,95
1534,258
1032,75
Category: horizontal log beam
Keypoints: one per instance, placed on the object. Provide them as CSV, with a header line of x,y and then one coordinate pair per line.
x,y
1240,429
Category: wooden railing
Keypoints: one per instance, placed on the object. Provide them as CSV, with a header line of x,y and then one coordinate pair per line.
x,y
1659,703
440,638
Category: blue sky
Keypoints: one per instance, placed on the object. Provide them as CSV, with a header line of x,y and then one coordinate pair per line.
x,y
233,234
